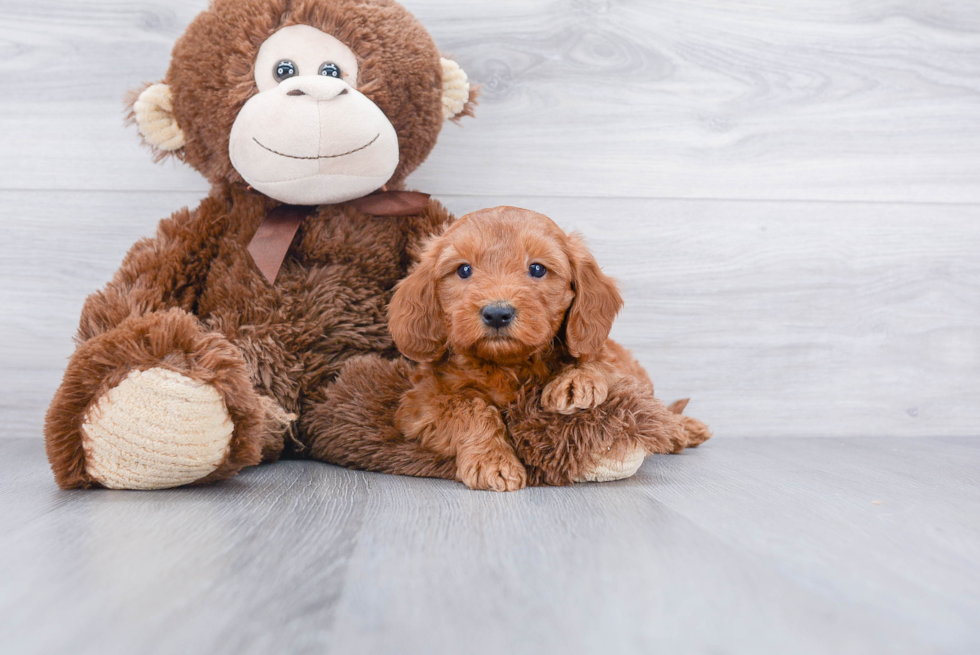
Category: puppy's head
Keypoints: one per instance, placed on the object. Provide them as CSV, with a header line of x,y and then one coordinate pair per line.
x,y
501,284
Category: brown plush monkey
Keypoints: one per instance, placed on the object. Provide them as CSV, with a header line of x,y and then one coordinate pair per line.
x,y
218,343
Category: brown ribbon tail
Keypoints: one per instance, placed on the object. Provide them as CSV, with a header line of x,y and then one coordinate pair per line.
x,y
271,241
392,203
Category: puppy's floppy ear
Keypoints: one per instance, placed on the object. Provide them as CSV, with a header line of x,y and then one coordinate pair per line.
x,y
596,302
414,315
152,110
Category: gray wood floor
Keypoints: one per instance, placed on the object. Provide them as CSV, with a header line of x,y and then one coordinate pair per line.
x,y
789,193
743,546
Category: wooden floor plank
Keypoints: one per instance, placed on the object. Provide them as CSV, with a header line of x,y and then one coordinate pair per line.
x,y
741,546
843,100
171,565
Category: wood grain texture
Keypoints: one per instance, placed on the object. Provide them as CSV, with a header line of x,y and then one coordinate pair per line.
x,y
741,546
779,319
839,100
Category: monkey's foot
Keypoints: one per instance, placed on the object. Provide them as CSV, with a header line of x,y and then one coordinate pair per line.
x,y
156,429
614,467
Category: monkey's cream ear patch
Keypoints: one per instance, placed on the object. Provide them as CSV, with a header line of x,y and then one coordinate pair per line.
x,y
154,113
455,89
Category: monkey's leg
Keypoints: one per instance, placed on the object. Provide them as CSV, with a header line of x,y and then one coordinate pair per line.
x,y
608,442
351,422
157,402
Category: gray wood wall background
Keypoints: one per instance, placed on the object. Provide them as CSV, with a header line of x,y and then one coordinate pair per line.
x,y
789,193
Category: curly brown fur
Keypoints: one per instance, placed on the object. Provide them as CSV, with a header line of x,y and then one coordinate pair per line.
x,y
353,420
558,449
558,309
355,423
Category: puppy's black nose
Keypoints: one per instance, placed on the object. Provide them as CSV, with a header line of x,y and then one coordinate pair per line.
x,y
498,315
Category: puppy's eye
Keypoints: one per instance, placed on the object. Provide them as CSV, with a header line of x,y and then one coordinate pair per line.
x,y
284,70
330,69
536,270
464,271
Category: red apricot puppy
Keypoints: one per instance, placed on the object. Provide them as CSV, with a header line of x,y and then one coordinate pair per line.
x,y
501,300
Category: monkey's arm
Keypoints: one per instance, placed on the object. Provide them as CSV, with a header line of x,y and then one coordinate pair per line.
x,y
151,398
159,273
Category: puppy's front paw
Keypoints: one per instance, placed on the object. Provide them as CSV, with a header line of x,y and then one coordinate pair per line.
x,y
493,472
574,389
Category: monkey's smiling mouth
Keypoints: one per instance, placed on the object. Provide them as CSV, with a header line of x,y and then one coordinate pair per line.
x,y
343,154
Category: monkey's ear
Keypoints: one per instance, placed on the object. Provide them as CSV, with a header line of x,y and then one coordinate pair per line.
x,y
153,112
458,96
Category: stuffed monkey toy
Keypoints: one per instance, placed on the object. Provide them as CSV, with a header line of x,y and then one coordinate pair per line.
x,y
254,326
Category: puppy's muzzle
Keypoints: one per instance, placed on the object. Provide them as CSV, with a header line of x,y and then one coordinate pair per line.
x,y
498,315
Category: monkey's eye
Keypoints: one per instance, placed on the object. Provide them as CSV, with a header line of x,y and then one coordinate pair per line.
x,y
330,69
536,270
464,271
284,70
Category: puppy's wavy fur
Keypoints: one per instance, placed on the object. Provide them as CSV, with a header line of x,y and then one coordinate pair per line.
x,y
470,371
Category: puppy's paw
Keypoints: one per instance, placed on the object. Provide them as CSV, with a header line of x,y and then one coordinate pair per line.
x,y
493,472
574,389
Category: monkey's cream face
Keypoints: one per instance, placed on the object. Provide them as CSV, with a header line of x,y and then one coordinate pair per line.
x,y
308,137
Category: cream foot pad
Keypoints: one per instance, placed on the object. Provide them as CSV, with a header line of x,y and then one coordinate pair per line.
x,y
157,429
615,468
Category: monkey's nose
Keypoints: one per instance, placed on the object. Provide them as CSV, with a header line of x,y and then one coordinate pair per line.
x,y
316,86
498,315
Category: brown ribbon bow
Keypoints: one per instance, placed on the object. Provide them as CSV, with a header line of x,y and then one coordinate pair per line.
x,y
271,241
